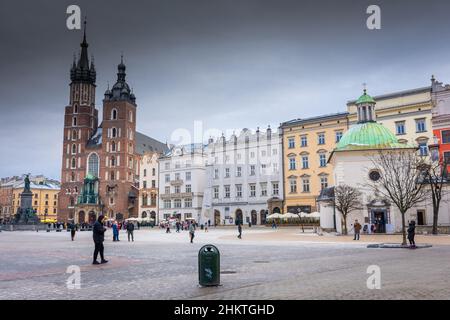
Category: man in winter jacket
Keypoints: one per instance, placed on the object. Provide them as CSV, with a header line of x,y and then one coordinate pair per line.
x,y
98,234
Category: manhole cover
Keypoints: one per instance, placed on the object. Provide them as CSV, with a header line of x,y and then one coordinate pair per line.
x,y
228,272
261,261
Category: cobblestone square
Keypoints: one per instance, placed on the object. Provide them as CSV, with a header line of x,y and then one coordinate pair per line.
x,y
265,264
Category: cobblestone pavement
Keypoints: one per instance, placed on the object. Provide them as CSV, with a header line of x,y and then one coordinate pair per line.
x,y
265,264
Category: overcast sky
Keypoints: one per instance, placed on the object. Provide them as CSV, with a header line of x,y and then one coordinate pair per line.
x,y
228,63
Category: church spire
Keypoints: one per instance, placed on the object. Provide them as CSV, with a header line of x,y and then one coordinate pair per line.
x,y
83,72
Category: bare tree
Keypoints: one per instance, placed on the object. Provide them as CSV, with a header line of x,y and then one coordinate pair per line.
x,y
436,177
346,199
400,180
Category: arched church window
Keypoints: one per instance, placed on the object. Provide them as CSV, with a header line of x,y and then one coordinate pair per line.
x,y
75,108
113,146
130,116
74,135
114,114
74,121
73,163
114,132
93,165
113,161
74,148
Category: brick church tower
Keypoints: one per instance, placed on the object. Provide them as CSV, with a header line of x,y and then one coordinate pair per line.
x,y
119,171
80,123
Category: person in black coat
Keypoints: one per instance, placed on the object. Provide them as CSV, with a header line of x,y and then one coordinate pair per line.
x,y
98,234
130,230
240,230
411,234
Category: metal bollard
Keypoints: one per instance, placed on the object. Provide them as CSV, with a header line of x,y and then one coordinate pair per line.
x,y
209,266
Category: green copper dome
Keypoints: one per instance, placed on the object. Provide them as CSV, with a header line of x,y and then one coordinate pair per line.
x,y
368,136
365,98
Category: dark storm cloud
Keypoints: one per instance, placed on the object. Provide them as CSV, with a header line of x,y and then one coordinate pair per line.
x,y
229,63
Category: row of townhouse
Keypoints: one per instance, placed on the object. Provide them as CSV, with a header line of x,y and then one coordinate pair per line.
x,y
255,173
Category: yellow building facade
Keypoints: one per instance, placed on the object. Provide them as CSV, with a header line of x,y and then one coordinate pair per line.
x,y
307,144
45,198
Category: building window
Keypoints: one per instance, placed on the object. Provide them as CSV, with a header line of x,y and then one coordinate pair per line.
x,y
130,116
291,143
227,172
420,125
423,148
323,160
111,175
305,185
253,190
153,183
275,188
293,185
75,108
321,138
216,173
400,128
167,178
324,182
292,165
153,172
114,114
177,165
305,162
304,141
145,172
73,164
252,170
177,203
421,218
113,146
167,204
239,191
188,203
177,189
263,189
446,136
74,121
145,184
216,192
239,172
339,135
263,169
447,157
167,165
74,148
188,176
93,166
188,188
227,191
167,190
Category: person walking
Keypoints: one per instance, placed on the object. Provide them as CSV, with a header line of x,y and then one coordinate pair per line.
x,y
178,225
192,232
167,227
98,234
73,230
130,231
274,225
357,227
411,234
115,228
240,230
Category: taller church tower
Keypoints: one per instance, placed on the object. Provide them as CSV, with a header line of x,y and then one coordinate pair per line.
x,y
80,123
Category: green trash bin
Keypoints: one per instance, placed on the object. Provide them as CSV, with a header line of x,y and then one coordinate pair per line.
x,y
209,266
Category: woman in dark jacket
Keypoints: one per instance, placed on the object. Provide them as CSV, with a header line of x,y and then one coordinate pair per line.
x,y
98,234
412,233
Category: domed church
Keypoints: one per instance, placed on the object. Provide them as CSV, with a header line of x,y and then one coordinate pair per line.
x,y
352,162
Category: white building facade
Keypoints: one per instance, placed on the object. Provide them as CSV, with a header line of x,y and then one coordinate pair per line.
x,y
245,178
182,182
